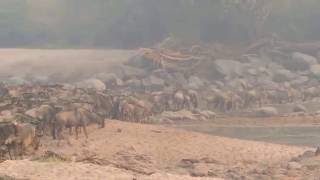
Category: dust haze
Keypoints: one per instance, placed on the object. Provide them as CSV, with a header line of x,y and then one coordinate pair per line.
x,y
149,89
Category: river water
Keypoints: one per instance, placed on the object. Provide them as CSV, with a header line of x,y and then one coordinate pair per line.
x,y
290,135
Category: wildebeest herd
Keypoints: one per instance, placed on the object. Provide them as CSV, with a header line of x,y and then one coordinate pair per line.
x,y
48,110
171,82
31,111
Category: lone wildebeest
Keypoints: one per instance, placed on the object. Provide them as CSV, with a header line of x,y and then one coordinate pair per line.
x,y
78,118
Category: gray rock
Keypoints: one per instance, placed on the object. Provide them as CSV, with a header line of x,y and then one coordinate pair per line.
x,y
299,80
119,82
262,70
179,78
41,80
153,83
266,112
3,90
162,73
208,69
302,61
283,75
308,154
130,72
229,67
299,108
16,81
110,79
318,57
297,62
252,71
138,61
106,77
200,170
294,166
134,84
315,70
304,58
91,84
195,83
208,114
237,84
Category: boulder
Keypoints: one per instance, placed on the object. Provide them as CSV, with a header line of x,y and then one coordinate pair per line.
x,y
299,108
179,78
318,57
294,166
297,61
16,81
162,73
195,82
315,70
39,79
283,75
205,114
200,170
229,68
266,82
32,112
106,77
3,90
91,84
5,115
153,83
110,79
252,72
238,84
128,72
139,163
266,112
304,58
134,84
207,69
139,61
182,115
302,61
299,80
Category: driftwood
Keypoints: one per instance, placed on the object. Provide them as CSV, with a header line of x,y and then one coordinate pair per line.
x,y
256,46
168,55
311,48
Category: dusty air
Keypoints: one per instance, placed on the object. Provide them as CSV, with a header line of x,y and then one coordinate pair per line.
x,y
159,90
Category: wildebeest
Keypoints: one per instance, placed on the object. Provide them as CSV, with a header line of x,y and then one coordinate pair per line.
x,y
160,102
69,119
6,130
3,90
23,139
45,114
77,118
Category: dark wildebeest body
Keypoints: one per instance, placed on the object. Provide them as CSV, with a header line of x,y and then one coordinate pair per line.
x,y
23,140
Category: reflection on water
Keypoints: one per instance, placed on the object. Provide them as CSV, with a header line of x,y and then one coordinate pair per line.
x,y
292,135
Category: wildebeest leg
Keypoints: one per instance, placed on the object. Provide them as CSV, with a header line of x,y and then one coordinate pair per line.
x,y
70,130
54,131
60,136
102,123
9,152
77,129
85,130
20,151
